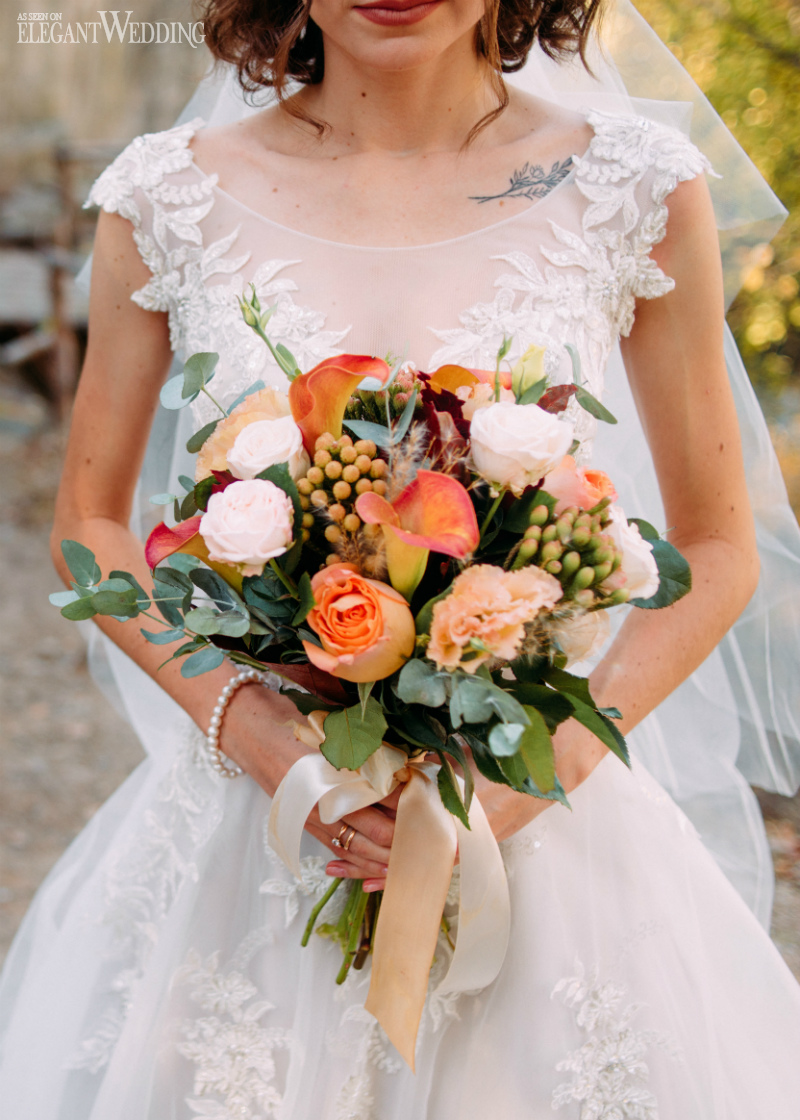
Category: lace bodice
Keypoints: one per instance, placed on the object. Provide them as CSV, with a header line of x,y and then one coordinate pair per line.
x,y
568,269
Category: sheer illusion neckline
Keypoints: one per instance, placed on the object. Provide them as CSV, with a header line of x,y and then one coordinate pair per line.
x,y
475,233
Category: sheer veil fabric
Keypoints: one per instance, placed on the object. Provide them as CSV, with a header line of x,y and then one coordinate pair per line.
x,y
158,975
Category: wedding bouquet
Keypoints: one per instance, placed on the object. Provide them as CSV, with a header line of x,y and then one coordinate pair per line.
x,y
424,554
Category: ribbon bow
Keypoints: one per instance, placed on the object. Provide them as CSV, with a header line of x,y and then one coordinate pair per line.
x,y
426,839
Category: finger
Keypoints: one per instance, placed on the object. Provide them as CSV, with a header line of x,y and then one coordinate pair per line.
x,y
377,826
351,866
342,869
370,885
361,844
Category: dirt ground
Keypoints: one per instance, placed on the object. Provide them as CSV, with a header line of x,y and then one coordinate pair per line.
x,y
63,749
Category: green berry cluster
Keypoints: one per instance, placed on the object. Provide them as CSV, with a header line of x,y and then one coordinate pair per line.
x,y
574,547
342,470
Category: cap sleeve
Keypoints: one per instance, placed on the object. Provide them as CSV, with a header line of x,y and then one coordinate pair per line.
x,y
634,164
149,184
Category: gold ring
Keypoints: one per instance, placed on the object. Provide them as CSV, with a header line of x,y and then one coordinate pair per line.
x,y
346,843
337,840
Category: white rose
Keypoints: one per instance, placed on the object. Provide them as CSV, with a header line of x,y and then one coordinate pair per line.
x,y
264,443
247,524
514,445
638,563
582,636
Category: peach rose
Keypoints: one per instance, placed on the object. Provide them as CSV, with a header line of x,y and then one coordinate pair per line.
x,y
366,628
266,404
578,486
489,607
473,397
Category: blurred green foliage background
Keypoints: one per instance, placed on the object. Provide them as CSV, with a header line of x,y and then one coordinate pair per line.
x,y
745,56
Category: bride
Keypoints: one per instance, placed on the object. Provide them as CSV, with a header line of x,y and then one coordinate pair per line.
x,y
399,197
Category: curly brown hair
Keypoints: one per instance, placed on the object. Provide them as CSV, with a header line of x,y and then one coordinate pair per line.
x,y
272,42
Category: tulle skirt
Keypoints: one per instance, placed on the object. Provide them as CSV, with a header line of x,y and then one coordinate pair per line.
x,y
159,975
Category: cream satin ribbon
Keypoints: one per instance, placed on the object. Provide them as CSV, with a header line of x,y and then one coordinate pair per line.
x,y
426,839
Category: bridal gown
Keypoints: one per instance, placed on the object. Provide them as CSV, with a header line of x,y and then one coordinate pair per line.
x,y
159,975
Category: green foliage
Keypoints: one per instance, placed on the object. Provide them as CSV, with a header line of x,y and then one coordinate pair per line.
x,y
745,56
351,737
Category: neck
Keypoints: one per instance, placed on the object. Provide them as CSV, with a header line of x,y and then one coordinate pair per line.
x,y
427,108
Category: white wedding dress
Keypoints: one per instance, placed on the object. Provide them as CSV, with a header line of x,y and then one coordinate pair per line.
x,y
159,974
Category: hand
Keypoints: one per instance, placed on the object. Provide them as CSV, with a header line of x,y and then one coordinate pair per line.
x,y
252,709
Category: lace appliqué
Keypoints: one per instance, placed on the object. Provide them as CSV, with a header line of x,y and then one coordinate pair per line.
x,y
140,888
232,1049
609,1072
203,310
586,293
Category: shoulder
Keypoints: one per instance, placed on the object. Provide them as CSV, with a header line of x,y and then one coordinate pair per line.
x,y
626,147
142,169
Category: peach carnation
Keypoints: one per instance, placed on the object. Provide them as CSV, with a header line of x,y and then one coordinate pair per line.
x,y
485,615
266,404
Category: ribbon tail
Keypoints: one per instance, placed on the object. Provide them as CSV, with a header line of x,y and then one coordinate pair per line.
x,y
295,797
484,909
423,853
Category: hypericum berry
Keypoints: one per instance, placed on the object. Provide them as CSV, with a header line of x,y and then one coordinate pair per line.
x,y
379,468
308,520
552,550
581,535
570,562
366,447
315,476
305,535
351,473
323,442
621,595
322,458
584,578
333,534
304,486
363,486
549,533
333,470
348,454
336,512
539,515
319,499
332,558
602,571
342,490
304,502
364,463
351,523
533,533
528,549
380,487
553,566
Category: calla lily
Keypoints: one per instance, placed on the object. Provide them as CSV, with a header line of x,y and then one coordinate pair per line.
x,y
434,513
452,378
318,398
185,537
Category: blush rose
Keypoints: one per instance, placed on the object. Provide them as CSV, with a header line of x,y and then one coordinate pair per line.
x,y
247,524
515,445
264,443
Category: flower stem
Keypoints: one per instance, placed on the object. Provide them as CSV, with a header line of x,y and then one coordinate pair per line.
x,y
286,580
492,511
213,401
315,913
356,921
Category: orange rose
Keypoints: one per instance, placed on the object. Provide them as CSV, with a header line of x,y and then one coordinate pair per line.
x,y
576,486
266,404
366,628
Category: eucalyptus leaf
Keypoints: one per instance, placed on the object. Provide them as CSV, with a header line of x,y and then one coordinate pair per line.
x,y
350,737
475,700
81,563
403,424
365,429
215,587
171,395
79,609
504,738
161,499
233,624
61,598
166,600
183,562
593,406
575,358
120,604
196,441
420,682
197,372
202,620
162,637
204,661
256,387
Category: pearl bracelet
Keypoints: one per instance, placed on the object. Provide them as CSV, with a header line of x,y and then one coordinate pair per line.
x,y
217,758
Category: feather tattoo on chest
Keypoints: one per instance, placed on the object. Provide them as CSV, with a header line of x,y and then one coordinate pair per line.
x,y
531,181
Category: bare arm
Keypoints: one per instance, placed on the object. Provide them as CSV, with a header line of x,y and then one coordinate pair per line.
x,y
675,363
127,359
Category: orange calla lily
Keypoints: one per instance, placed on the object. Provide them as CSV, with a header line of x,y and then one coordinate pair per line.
x,y
452,378
185,537
434,513
318,398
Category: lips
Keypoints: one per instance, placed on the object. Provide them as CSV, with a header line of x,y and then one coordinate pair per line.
x,y
394,13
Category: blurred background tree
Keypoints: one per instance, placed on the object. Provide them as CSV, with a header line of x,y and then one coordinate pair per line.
x,y
745,56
